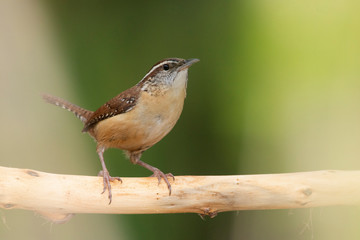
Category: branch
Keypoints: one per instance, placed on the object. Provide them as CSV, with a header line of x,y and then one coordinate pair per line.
x,y
58,197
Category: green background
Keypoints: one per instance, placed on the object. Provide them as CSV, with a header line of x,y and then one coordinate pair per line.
x,y
277,90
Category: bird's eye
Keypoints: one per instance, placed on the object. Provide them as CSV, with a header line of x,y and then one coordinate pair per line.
x,y
166,67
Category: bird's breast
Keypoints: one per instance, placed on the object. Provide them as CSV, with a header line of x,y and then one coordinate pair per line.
x,y
147,123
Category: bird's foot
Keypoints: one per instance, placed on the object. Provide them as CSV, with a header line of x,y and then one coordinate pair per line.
x,y
107,179
160,175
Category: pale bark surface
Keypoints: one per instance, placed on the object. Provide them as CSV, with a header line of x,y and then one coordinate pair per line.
x,y
58,197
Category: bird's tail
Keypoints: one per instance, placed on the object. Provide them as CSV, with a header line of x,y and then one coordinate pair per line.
x,y
79,112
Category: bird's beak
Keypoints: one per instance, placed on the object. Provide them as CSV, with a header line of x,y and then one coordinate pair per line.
x,y
188,63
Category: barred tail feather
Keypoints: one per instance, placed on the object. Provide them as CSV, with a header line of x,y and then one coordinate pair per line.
x,y
79,112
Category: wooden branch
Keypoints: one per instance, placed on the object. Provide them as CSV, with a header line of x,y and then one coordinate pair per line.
x,y
58,197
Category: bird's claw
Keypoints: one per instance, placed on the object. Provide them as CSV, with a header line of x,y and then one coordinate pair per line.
x,y
160,175
106,181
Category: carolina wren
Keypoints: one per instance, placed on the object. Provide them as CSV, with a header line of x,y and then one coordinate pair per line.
x,y
137,118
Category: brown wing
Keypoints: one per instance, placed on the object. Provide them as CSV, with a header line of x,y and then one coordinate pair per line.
x,y
122,103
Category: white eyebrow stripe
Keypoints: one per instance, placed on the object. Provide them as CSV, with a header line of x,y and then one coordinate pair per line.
x,y
157,65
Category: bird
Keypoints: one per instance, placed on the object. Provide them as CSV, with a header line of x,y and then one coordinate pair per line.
x,y
138,117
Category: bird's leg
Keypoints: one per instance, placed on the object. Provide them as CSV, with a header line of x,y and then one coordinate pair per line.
x,y
135,159
105,174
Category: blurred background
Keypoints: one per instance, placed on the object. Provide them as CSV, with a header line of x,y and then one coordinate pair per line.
x,y
277,90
